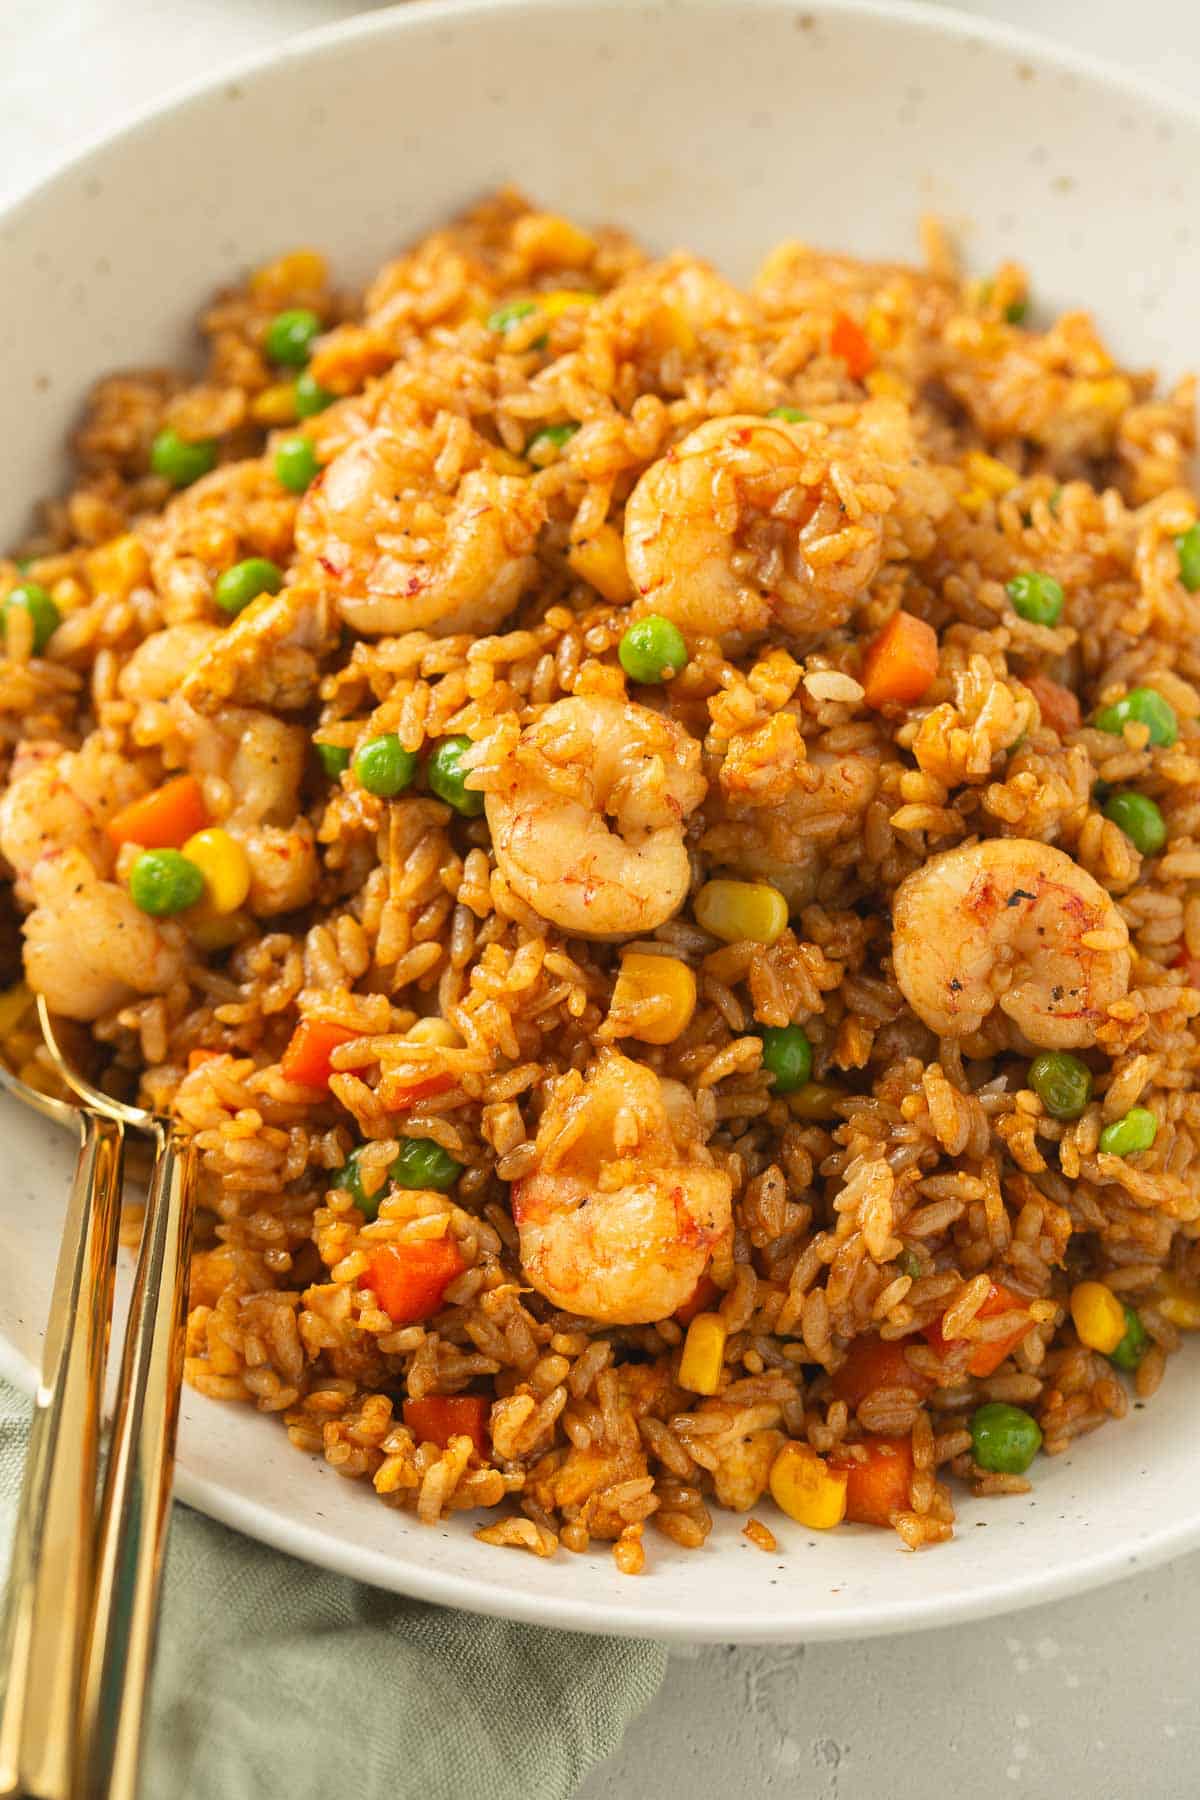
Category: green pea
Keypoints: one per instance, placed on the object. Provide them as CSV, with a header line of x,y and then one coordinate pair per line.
x,y
909,1263
179,461
1004,1439
652,650
505,317
31,597
384,767
1061,1082
787,1056
1187,544
1141,706
309,396
237,587
335,759
1140,820
791,415
1131,1135
162,882
296,465
448,778
290,335
424,1164
1015,311
1037,597
1133,1346
545,445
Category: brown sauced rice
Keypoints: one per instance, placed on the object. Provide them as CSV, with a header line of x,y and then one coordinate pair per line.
x,y
915,1191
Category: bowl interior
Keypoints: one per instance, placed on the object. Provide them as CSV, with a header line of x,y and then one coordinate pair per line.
x,y
725,126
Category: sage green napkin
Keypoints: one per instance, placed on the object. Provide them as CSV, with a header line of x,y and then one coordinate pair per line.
x,y
277,1681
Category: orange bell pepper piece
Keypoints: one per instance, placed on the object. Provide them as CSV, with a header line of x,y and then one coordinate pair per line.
x,y
164,819
901,661
849,341
878,1484
306,1059
985,1359
439,1417
410,1279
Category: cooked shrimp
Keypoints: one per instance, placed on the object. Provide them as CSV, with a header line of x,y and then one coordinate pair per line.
x,y
269,656
788,842
587,812
754,524
402,553
163,661
88,948
260,759
619,1217
59,800
258,762
1014,924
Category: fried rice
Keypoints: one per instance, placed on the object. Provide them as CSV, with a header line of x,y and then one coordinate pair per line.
x,y
589,1129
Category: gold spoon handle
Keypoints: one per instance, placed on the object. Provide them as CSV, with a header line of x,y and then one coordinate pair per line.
x,y
45,1621
136,1504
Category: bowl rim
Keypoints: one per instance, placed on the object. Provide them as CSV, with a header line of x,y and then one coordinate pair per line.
x,y
478,1593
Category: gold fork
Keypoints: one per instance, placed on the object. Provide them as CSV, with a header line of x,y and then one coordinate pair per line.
x,y
51,1576
114,1583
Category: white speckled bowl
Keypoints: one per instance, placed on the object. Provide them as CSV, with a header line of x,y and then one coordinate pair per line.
x,y
723,125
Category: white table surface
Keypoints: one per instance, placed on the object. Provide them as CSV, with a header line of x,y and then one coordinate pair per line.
x,y
1091,1699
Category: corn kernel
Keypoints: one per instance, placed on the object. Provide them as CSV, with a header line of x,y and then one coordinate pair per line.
x,y
989,473
296,272
806,1489
548,241
1098,1315
742,911
880,328
434,1031
224,866
1111,396
118,567
664,980
973,501
276,405
561,300
217,931
1179,1303
674,330
703,1354
600,560
887,386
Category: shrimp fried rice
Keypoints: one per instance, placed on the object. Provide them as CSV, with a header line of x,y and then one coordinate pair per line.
x,y
649,834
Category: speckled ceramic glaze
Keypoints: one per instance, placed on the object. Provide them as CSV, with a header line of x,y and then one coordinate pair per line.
x,y
724,125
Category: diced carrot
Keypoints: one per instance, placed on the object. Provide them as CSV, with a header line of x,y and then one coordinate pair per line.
x,y
1057,704
439,1417
401,1099
306,1059
985,1359
197,1057
849,341
878,1484
702,1297
875,1362
901,660
164,819
410,1279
